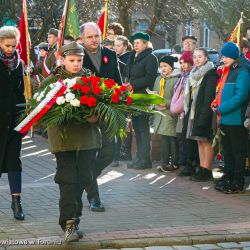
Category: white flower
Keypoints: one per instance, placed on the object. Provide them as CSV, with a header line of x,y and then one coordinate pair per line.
x,y
35,95
60,100
69,97
40,96
75,102
70,82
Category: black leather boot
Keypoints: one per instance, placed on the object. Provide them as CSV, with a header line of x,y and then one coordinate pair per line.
x,y
17,207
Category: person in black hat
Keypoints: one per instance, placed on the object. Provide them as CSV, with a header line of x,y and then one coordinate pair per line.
x,y
189,43
141,72
75,146
166,125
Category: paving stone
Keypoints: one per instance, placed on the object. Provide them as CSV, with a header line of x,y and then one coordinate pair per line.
x,y
244,244
159,248
229,245
207,246
131,248
185,248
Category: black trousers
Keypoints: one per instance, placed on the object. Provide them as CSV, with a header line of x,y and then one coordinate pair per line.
x,y
104,157
192,152
142,134
181,149
169,150
234,149
73,175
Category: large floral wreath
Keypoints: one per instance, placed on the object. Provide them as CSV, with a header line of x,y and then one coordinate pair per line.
x,y
81,97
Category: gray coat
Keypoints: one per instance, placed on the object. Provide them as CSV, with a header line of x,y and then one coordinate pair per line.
x,y
166,125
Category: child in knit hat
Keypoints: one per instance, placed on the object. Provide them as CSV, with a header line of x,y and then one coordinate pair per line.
x,y
230,105
166,125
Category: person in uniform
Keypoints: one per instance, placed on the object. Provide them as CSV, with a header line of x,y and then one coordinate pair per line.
x,y
50,59
75,146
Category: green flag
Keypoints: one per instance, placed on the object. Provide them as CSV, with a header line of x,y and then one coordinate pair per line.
x,y
72,24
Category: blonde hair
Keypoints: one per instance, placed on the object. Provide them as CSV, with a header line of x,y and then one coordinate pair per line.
x,y
9,32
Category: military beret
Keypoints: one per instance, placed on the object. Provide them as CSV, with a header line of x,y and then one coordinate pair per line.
x,y
44,46
140,35
53,31
72,49
189,37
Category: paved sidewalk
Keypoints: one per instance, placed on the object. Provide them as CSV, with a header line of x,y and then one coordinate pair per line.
x,y
143,208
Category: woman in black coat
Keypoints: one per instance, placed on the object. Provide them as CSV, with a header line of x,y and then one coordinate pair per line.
x,y
199,94
141,72
11,94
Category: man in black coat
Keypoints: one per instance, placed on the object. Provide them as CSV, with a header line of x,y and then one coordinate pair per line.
x,y
141,72
102,62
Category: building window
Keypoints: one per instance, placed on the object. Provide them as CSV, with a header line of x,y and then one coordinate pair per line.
x,y
188,29
206,36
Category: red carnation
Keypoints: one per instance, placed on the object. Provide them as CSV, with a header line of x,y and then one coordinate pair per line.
x,y
85,79
129,100
85,89
95,80
84,99
91,102
77,86
105,59
109,83
118,91
115,98
97,90
123,88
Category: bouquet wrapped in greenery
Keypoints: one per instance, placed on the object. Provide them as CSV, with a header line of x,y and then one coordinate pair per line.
x,y
83,97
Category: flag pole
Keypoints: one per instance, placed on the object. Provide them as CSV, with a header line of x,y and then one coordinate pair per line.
x,y
27,80
105,19
62,28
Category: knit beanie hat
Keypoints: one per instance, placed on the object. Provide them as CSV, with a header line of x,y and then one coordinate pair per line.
x,y
231,50
187,57
170,60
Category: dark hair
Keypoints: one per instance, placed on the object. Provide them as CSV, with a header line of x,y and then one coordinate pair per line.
x,y
203,50
70,38
117,28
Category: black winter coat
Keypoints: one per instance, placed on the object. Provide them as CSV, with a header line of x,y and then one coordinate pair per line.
x,y
107,70
203,116
11,94
141,71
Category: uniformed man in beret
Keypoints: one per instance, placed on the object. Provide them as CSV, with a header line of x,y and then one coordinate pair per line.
x,y
50,60
189,43
75,146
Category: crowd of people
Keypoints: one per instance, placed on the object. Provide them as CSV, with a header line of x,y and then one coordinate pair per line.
x,y
200,101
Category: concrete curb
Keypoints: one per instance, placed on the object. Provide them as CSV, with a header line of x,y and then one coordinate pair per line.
x,y
135,243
